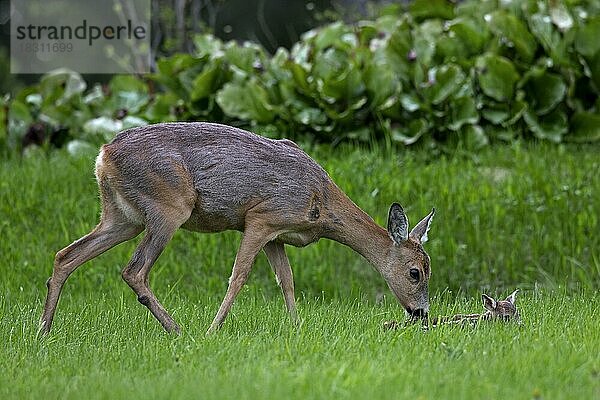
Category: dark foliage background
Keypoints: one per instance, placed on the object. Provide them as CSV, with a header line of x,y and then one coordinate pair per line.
x,y
435,73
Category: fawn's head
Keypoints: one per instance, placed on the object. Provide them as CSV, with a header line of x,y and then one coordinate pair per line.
x,y
408,265
503,309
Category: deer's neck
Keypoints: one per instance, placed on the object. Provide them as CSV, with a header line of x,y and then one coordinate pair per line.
x,y
351,226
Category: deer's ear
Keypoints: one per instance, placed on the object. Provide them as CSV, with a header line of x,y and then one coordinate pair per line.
x,y
420,230
397,224
488,303
513,297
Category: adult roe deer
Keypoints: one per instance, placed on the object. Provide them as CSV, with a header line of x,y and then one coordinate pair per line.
x,y
209,178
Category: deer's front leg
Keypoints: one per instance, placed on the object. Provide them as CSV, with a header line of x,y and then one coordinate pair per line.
x,y
275,252
252,242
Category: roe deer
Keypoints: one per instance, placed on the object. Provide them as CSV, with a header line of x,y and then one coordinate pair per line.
x,y
505,310
209,178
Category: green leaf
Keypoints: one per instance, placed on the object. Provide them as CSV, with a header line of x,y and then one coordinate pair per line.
x,y
511,32
34,99
127,83
330,64
300,76
586,40
411,134
128,92
94,96
161,108
367,30
409,102
248,101
347,113
501,133
207,45
335,35
550,127
132,121
425,37
495,116
464,111
594,66
560,16
362,134
337,77
343,88
449,47
545,92
102,129
585,127
494,112
497,76
206,82
517,109
473,137
380,82
246,58
448,79
301,54
277,68
19,119
171,69
397,49
81,148
232,98
471,34
57,116
542,28
425,9
19,111
311,117
62,84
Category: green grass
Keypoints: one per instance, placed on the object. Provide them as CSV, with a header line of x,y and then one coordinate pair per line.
x,y
109,347
521,216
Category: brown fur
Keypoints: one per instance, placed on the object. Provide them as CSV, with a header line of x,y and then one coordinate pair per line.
x,y
210,178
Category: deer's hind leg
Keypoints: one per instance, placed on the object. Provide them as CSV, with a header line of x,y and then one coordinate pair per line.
x,y
164,220
113,229
165,212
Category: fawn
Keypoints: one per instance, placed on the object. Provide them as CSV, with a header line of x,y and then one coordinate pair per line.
x,y
209,177
504,310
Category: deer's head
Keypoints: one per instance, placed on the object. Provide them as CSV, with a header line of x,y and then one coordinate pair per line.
x,y
408,266
503,309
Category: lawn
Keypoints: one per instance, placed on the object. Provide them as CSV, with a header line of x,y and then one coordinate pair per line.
x,y
521,216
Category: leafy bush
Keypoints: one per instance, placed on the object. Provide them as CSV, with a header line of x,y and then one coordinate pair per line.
x,y
466,73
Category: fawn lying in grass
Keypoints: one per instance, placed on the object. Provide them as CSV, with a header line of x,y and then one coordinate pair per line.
x,y
504,310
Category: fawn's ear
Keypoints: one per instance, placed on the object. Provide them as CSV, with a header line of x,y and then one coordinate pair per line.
x,y
513,297
420,230
488,303
397,224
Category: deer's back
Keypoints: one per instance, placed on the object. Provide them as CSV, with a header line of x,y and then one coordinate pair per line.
x,y
230,170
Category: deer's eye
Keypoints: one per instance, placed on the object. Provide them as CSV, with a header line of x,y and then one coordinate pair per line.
x,y
414,274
